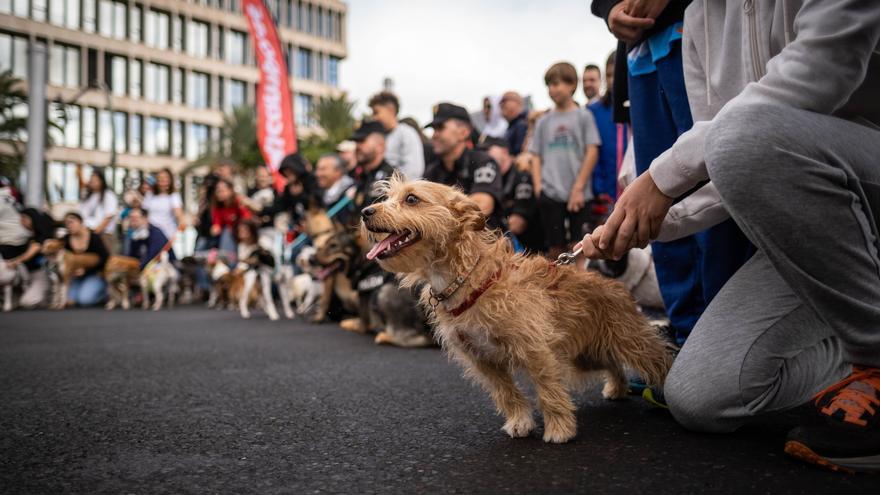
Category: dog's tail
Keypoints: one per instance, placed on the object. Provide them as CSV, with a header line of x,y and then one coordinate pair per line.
x,y
645,350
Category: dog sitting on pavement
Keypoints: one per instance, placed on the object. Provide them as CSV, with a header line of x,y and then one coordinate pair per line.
x,y
10,278
306,289
158,277
120,273
496,312
62,265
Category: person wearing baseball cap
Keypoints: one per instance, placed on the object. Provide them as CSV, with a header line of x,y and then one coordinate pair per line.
x,y
474,171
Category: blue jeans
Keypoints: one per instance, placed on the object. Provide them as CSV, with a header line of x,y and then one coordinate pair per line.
x,y
87,291
691,270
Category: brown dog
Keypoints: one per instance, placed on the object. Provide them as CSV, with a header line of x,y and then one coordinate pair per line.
x,y
496,312
120,273
63,265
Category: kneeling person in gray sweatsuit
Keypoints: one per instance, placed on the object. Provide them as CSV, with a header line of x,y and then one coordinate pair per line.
x,y
786,102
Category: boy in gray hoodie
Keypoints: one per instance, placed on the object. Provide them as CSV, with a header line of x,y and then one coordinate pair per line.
x,y
785,97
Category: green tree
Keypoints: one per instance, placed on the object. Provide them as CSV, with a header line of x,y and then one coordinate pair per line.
x,y
238,142
13,127
333,115
13,124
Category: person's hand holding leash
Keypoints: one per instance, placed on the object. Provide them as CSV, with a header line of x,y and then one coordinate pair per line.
x,y
626,27
636,219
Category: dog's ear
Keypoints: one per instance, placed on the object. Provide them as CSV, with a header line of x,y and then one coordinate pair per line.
x,y
468,211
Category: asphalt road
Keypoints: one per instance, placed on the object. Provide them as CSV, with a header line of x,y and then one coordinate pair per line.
x,y
199,401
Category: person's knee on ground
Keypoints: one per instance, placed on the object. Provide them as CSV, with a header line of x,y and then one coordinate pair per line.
x,y
739,146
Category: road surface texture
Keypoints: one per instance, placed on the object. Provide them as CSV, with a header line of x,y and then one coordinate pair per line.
x,y
197,401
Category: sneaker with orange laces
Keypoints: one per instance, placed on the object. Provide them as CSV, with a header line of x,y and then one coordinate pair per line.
x,y
849,439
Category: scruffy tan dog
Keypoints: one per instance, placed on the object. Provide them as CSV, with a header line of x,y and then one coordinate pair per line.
x,y
496,312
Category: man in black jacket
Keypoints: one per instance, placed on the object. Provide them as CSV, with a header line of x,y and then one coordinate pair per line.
x,y
458,165
519,207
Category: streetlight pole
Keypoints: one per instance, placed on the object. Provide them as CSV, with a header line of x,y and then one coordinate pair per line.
x,y
36,125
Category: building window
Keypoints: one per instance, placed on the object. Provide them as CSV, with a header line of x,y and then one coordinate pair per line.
x,y
156,138
116,74
120,121
333,71
156,82
197,141
20,8
5,52
156,29
177,85
134,24
39,10
197,36
198,95
63,13
89,129
235,43
89,18
111,19
303,109
177,33
319,67
291,13
304,63
105,130
236,92
64,65
134,134
71,127
19,57
135,74
56,134
176,139
320,22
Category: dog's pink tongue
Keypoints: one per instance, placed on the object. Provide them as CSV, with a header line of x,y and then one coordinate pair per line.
x,y
383,246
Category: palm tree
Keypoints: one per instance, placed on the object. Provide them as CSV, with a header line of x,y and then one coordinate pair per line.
x,y
238,142
13,126
333,114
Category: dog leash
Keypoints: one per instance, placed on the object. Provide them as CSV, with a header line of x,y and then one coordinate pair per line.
x,y
336,208
569,257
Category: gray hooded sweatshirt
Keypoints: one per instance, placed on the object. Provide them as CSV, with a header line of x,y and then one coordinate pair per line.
x,y
816,55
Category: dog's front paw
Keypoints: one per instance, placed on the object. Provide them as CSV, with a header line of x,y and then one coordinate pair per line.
x,y
245,314
110,305
613,391
559,428
519,426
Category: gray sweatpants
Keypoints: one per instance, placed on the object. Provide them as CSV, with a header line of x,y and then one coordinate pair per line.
x,y
805,189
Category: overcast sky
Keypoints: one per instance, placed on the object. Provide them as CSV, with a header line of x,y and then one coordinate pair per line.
x,y
462,50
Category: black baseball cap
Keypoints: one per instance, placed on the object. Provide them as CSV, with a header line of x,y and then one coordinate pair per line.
x,y
366,128
488,141
446,111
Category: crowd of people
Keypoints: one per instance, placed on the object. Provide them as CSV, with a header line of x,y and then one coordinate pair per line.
x,y
539,177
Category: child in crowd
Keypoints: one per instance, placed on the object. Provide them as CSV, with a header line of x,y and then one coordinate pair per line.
x,y
566,145
226,212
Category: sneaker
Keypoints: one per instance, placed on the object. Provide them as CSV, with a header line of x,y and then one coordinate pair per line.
x,y
654,396
636,386
849,439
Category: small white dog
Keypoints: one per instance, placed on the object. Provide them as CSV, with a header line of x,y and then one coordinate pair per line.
x,y
158,276
10,278
258,266
307,288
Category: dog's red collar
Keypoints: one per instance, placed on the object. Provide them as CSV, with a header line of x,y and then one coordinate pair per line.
x,y
472,298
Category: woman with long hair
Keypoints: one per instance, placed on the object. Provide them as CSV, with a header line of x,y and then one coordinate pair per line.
x,y
88,287
165,204
99,209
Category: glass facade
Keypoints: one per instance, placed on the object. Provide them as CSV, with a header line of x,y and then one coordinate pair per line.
x,y
161,103
236,92
198,94
197,36
156,83
235,47
64,66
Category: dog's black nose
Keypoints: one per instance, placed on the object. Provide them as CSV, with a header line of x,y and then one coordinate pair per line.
x,y
368,212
